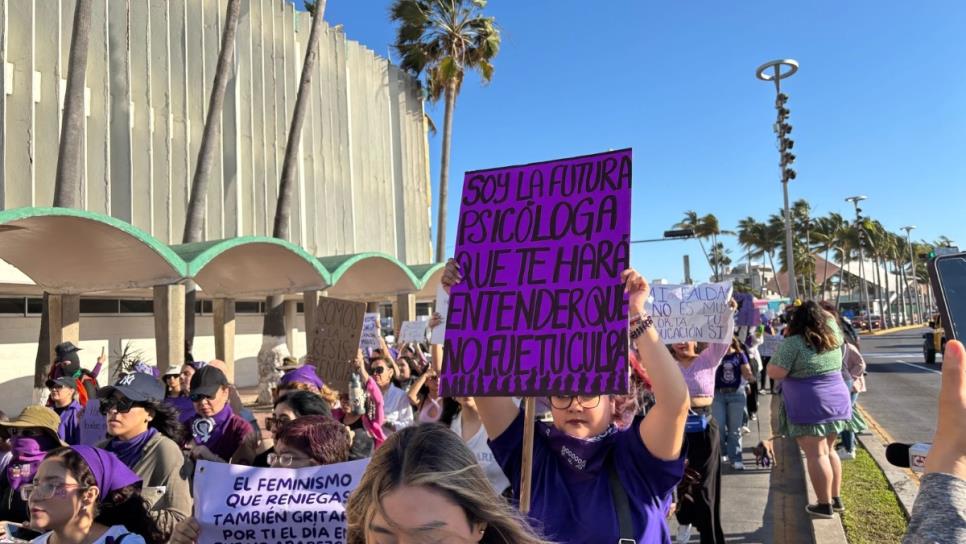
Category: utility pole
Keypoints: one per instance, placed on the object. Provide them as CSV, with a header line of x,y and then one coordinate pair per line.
x,y
865,287
917,316
785,144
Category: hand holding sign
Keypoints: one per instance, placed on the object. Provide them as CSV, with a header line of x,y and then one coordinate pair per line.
x,y
703,312
637,289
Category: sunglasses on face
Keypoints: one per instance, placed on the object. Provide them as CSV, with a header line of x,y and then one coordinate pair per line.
x,y
122,405
198,397
378,370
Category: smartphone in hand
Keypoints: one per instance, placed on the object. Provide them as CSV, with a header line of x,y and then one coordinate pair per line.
x,y
18,533
948,276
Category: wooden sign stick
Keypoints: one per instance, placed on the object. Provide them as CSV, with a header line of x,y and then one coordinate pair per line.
x,y
526,470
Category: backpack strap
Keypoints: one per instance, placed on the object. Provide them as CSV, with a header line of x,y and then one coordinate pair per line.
x,y
622,504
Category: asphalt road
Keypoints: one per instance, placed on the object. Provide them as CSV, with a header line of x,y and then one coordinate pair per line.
x,y
902,389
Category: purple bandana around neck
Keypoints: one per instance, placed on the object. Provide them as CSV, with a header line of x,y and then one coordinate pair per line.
x,y
817,399
208,430
131,451
27,455
582,455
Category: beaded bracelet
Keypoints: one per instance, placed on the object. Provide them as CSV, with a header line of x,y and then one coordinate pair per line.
x,y
642,324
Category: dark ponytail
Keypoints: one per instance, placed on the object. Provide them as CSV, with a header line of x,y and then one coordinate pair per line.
x,y
164,418
123,506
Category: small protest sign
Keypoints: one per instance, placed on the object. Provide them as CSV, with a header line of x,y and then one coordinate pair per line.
x,y
769,344
442,308
338,324
541,308
246,505
413,331
692,312
370,332
93,424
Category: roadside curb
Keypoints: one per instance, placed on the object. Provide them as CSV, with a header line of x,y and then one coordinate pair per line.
x,y
893,329
904,482
824,531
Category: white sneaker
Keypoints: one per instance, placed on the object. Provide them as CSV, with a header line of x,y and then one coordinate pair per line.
x,y
684,533
724,459
845,454
745,430
738,465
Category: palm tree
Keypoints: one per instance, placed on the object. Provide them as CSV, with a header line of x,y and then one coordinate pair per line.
x,y
693,221
274,348
68,177
825,234
443,39
706,227
195,214
751,237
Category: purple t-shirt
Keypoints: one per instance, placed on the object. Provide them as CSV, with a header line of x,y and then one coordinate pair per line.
x,y
729,372
569,506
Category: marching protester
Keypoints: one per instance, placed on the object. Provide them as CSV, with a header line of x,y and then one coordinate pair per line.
x,y
361,407
463,418
424,485
145,436
699,494
730,402
939,513
424,397
172,382
63,400
307,441
582,461
32,434
396,406
853,370
815,403
217,432
67,364
87,495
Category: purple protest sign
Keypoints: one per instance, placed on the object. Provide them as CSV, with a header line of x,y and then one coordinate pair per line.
x,y
541,309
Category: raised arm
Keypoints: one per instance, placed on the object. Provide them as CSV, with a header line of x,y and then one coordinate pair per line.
x,y
663,427
497,413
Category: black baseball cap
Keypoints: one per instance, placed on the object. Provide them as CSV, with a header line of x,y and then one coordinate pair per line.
x,y
208,381
65,381
136,386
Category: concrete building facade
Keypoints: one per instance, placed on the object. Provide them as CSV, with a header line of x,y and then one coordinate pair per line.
x,y
363,172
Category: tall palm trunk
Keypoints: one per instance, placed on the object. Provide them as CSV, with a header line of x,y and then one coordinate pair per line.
x,y
444,170
195,215
902,291
771,261
842,265
68,178
274,348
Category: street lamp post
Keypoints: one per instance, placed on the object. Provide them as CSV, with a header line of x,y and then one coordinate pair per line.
x,y
865,287
917,318
782,129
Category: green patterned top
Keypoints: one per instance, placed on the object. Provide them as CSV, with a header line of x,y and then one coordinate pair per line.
x,y
801,361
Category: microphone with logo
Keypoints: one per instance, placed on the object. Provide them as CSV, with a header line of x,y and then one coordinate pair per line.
x,y
908,455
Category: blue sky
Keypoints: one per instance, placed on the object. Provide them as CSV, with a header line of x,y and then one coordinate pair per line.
x,y
878,106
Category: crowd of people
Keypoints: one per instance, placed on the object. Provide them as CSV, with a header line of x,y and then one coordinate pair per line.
x,y
604,468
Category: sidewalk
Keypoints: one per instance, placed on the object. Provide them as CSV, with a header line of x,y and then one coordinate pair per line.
x,y
763,506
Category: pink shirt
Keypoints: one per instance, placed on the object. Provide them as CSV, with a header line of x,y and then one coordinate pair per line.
x,y
700,375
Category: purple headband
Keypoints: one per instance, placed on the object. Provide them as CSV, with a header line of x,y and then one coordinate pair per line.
x,y
303,374
109,472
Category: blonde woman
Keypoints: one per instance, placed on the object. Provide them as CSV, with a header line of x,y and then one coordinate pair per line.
x,y
424,485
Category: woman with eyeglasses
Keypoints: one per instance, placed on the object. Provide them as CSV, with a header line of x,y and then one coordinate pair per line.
x,y
395,403
63,400
424,485
32,434
217,432
307,441
86,495
584,467
145,436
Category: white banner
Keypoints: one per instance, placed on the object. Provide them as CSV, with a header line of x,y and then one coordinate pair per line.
x,y
692,312
370,332
769,345
442,307
413,331
246,505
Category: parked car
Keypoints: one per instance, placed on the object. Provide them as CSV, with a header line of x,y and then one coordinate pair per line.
x,y
862,321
